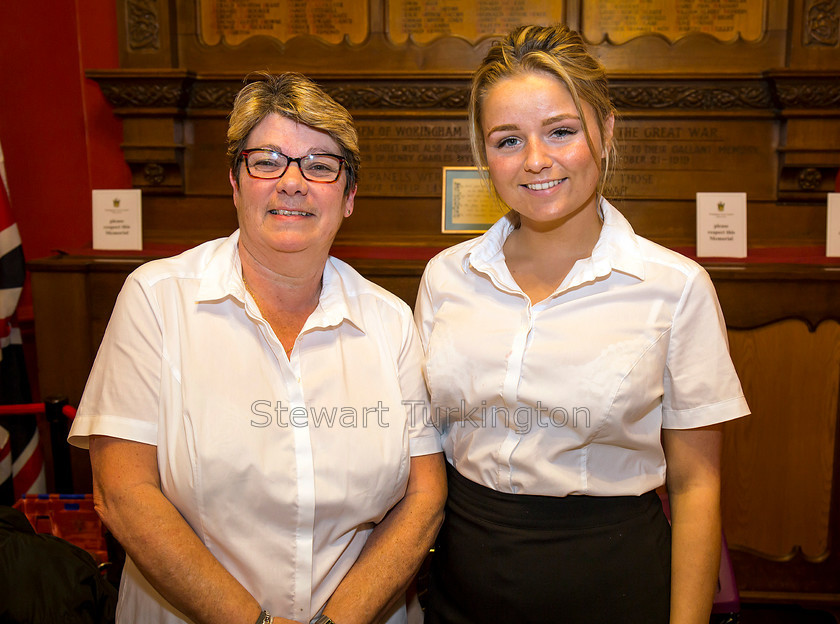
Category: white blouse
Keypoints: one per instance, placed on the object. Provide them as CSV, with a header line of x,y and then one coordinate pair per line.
x,y
282,466
569,395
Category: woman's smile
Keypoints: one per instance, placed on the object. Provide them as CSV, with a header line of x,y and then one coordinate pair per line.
x,y
290,213
542,186
538,155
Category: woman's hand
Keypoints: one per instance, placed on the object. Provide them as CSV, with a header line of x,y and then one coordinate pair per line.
x,y
395,549
128,498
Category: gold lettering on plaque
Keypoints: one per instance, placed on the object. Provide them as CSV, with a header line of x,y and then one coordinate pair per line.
x,y
472,203
234,21
404,158
622,20
425,21
675,160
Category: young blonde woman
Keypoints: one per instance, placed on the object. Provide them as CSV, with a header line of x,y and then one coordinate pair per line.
x,y
574,368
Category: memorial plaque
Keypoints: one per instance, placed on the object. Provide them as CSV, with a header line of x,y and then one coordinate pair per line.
x,y
676,160
405,158
467,205
658,159
470,19
622,20
234,21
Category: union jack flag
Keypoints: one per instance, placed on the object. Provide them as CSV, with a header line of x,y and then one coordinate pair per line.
x,y
21,458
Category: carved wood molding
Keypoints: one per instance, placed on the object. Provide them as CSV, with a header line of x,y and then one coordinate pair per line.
x,y
808,94
220,95
401,96
144,89
132,89
144,95
213,95
143,25
692,96
822,23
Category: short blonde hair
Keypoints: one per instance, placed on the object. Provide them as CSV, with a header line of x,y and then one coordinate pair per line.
x,y
295,96
560,52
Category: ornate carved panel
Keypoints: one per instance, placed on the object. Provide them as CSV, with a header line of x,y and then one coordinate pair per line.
x,y
822,23
143,25
807,91
720,94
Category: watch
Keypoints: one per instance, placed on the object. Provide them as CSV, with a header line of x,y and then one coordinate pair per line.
x,y
321,619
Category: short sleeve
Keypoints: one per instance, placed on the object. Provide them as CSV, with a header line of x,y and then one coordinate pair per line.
x,y
423,437
701,385
423,308
122,394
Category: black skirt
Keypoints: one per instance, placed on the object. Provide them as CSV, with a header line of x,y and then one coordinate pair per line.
x,y
517,559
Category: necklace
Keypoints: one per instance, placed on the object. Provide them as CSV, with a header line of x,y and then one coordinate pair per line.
x,y
248,289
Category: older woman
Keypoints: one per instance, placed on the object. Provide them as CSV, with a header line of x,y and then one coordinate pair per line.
x,y
576,367
248,411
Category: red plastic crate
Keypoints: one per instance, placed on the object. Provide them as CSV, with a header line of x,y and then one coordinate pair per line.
x,y
68,516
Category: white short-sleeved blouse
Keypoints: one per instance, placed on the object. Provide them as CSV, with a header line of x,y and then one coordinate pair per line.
x,y
280,465
569,395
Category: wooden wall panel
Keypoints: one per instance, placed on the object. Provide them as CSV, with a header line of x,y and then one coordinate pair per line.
x,y
735,96
747,99
779,462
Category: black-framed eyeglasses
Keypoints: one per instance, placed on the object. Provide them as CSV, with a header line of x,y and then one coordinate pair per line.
x,y
267,164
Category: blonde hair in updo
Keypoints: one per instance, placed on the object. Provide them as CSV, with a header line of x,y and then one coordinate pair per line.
x,y
560,52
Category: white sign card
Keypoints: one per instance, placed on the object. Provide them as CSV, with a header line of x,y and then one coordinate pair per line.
x,y
832,232
117,219
722,225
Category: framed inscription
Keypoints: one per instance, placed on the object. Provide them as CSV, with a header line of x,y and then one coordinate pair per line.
x,y
233,21
622,20
467,207
470,19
